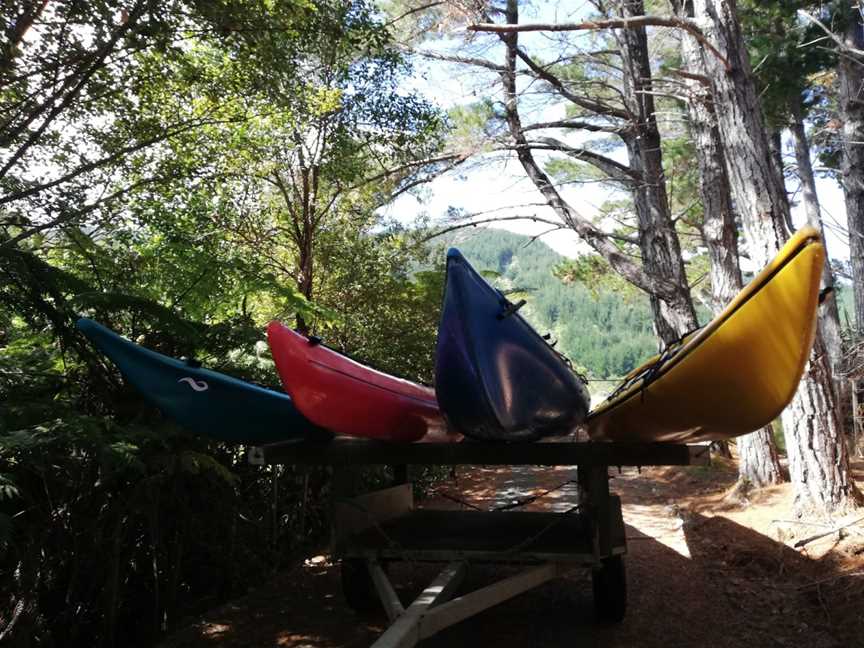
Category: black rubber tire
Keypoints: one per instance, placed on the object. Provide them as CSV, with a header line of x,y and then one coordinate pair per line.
x,y
610,590
358,587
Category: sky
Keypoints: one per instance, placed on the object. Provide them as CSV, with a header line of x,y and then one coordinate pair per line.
x,y
500,186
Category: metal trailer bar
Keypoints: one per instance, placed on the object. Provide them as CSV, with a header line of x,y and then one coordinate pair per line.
x,y
384,525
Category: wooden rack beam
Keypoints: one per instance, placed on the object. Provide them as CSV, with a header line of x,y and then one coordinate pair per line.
x,y
348,451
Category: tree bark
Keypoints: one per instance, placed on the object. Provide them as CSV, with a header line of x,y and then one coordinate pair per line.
x,y
758,462
850,73
818,457
658,239
775,145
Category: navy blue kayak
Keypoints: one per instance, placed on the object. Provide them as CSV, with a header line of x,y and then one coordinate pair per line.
x,y
203,401
496,378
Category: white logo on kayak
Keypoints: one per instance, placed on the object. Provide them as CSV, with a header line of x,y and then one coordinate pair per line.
x,y
197,385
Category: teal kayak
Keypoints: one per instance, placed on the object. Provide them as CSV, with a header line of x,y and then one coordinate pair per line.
x,y
203,401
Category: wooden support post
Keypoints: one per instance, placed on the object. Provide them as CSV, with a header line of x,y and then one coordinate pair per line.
x,y
401,474
343,486
594,485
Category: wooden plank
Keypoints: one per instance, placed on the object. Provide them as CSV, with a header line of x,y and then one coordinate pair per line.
x,y
357,514
700,454
475,557
347,451
485,536
389,598
405,632
466,606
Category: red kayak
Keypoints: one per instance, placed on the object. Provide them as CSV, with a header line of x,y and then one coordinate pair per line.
x,y
346,397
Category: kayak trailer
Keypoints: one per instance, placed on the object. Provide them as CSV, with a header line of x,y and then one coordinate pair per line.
x,y
372,529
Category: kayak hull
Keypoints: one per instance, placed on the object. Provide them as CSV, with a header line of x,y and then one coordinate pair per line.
x,y
347,397
205,402
495,377
735,375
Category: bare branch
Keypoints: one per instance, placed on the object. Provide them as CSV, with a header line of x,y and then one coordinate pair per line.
x,y
409,12
577,124
588,103
701,78
834,37
452,58
95,164
486,221
455,158
634,22
587,230
88,70
606,165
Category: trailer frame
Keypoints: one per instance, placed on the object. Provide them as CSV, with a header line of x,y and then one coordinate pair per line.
x,y
371,529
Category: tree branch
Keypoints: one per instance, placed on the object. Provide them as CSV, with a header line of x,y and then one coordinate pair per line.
x,y
606,165
453,58
834,37
634,22
95,164
454,158
587,231
409,12
701,78
486,221
593,105
67,216
89,70
577,125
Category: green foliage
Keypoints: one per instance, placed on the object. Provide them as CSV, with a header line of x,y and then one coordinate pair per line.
x,y
152,202
382,314
846,305
784,66
475,126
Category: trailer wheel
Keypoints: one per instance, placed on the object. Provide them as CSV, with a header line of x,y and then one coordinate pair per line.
x,y
610,590
358,587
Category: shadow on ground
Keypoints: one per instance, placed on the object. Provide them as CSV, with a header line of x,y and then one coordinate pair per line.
x,y
693,579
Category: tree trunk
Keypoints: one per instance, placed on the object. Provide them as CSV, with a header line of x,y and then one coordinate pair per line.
x,y
829,314
672,291
671,320
658,239
758,463
305,269
850,73
775,145
818,457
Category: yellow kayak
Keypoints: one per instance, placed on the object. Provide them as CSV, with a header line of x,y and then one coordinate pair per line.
x,y
734,375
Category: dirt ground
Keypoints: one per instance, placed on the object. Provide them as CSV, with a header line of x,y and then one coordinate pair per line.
x,y
703,569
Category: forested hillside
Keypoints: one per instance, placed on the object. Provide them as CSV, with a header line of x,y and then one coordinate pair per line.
x,y
605,333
